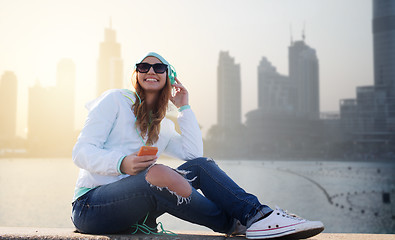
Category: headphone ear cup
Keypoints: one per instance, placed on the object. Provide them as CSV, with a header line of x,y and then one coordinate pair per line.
x,y
172,81
172,75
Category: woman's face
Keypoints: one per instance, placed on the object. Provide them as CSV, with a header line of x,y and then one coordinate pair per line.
x,y
151,81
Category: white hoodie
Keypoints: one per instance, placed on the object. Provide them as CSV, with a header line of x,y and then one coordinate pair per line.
x,y
110,134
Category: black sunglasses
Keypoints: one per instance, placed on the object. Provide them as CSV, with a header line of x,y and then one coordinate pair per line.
x,y
145,67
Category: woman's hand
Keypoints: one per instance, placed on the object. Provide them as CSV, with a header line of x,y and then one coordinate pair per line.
x,y
180,97
133,164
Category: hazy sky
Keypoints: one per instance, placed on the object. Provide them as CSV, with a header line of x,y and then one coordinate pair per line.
x,y
36,34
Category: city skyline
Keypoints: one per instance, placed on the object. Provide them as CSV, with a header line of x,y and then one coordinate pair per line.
x,y
296,93
258,31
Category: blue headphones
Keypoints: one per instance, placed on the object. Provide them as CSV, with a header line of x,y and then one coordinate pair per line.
x,y
172,74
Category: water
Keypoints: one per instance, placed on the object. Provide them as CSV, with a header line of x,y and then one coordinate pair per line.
x,y
345,196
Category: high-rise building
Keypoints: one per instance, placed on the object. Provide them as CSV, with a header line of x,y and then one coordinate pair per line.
x,y
8,105
373,113
383,28
296,94
51,114
275,92
229,91
304,75
109,64
65,83
43,109
287,119
349,115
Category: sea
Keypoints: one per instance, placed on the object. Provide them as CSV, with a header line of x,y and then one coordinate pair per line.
x,y
347,196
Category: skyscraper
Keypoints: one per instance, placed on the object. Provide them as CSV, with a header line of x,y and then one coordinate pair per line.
x,y
43,109
8,105
373,113
109,64
287,120
51,114
65,84
296,94
229,91
383,28
274,90
304,75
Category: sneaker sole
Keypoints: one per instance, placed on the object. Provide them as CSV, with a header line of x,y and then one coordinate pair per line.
x,y
303,234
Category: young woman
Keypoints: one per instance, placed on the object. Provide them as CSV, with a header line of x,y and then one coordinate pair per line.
x,y
117,189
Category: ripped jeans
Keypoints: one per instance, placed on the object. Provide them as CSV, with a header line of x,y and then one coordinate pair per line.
x,y
115,207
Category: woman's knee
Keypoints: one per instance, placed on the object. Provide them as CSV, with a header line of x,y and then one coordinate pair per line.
x,y
165,177
203,160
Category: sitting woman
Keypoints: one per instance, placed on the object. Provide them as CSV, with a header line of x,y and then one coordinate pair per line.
x,y
116,188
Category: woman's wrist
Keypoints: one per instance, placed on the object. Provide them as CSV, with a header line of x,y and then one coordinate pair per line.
x,y
120,165
182,108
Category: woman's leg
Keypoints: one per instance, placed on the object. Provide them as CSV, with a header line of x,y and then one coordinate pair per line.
x,y
117,206
217,186
261,221
176,196
114,207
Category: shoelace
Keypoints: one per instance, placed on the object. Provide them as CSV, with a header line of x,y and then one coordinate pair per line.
x,y
291,215
149,230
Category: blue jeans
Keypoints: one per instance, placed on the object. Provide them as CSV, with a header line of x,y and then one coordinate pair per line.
x,y
115,207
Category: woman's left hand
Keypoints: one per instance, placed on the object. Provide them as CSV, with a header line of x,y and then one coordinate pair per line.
x,y
180,95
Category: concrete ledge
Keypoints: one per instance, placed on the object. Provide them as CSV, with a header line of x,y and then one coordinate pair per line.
x,y
68,233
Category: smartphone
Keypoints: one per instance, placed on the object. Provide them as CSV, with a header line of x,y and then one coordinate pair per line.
x,y
147,150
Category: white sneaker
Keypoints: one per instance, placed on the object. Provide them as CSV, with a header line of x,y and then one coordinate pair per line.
x,y
279,224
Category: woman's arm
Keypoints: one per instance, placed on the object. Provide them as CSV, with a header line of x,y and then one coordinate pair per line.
x,y
189,144
89,152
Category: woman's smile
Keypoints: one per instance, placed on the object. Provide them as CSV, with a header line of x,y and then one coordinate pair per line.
x,y
151,80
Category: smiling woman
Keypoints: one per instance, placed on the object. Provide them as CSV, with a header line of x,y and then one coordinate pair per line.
x,y
117,188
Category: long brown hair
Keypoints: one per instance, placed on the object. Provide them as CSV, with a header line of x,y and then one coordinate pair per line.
x,y
149,121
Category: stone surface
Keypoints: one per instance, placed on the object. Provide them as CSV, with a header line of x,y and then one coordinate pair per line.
x,y
68,233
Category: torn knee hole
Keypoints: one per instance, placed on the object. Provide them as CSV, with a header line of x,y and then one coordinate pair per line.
x,y
162,176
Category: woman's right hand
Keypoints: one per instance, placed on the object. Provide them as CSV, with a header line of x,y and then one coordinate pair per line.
x,y
133,164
